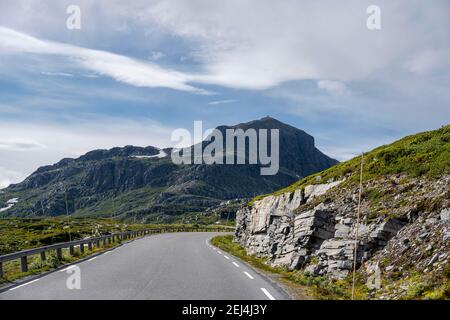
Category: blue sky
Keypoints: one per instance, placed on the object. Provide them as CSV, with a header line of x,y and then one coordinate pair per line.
x,y
136,71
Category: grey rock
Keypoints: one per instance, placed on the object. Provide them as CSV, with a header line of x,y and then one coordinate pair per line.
x,y
342,231
316,190
445,214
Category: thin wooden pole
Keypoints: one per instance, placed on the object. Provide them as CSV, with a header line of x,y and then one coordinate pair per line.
x,y
357,225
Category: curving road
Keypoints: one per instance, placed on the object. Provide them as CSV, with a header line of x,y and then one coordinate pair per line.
x,y
171,266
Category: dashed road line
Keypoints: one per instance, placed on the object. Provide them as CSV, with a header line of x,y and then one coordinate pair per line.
x,y
92,258
267,294
264,290
22,285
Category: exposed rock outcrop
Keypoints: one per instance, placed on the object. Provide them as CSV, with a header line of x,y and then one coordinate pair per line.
x,y
314,228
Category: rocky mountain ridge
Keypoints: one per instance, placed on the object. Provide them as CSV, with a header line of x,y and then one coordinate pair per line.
x,y
143,184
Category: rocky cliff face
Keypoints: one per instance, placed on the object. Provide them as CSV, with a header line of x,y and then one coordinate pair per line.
x,y
314,228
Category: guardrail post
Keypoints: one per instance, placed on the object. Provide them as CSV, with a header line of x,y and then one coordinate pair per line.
x,y
43,256
97,243
1,269
90,246
24,264
71,250
81,247
59,253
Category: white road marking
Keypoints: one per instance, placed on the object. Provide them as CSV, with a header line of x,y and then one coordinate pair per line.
x,y
22,285
107,252
267,294
248,275
92,258
68,268
219,252
226,257
236,264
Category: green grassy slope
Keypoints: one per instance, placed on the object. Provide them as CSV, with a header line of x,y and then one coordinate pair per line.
x,y
426,153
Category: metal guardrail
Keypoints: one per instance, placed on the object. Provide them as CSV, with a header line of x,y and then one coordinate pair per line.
x,y
94,241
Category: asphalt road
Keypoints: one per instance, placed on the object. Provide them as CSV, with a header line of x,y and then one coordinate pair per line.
x,y
181,266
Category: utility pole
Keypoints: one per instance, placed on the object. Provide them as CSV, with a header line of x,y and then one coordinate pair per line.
x,y
358,211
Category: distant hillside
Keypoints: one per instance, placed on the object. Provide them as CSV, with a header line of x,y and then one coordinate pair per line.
x,y
143,184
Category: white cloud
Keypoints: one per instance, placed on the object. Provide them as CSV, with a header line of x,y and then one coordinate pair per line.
x,y
260,44
221,102
333,87
19,144
57,74
429,61
121,68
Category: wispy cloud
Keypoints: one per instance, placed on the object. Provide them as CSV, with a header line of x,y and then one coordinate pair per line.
x,y
56,74
333,87
19,144
120,68
221,102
